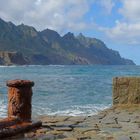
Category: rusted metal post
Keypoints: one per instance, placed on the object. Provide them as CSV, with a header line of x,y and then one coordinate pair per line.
x,y
19,99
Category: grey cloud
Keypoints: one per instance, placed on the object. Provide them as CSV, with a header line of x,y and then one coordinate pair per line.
x,y
60,15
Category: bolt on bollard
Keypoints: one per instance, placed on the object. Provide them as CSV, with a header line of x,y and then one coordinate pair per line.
x,y
19,99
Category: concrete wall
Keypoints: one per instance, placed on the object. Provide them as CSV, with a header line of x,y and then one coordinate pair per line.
x,y
126,90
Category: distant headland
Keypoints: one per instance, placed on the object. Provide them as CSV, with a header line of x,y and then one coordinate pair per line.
x,y
24,45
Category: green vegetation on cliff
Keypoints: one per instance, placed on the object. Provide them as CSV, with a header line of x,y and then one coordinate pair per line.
x,y
48,47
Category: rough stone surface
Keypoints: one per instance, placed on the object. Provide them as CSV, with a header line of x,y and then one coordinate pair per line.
x,y
109,124
126,90
121,122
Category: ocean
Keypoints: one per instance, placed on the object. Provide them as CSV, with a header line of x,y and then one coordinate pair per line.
x,y
66,90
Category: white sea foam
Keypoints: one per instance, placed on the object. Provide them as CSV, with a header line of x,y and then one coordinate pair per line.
x,y
1,66
56,65
3,109
86,110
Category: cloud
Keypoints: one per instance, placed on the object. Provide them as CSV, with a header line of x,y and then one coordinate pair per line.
x,y
126,33
130,10
69,15
60,15
127,30
107,5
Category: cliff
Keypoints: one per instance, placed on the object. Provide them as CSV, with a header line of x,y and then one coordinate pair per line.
x,y
48,47
11,58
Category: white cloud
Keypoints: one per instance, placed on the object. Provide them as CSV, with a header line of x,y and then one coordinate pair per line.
x,y
107,5
68,15
130,10
123,32
60,15
126,30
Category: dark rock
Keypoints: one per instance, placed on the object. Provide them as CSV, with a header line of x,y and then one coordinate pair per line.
x,y
10,58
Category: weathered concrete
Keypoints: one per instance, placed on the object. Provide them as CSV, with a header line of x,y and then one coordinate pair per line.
x,y
111,126
126,90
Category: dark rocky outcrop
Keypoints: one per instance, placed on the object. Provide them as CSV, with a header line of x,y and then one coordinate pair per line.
x,y
11,58
48,47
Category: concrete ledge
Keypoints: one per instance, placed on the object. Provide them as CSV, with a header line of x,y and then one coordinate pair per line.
x,y
126,90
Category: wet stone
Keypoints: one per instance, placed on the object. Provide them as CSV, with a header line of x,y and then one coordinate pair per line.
x,y
29,135
77,119
62,128
135,119
115,126
66,123
84,130
43,130
54,119
108,121
110,127
124,117
54,137
69,139
60,124
123,138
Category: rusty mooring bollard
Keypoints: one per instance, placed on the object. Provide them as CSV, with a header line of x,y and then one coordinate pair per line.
x,y
19,99
19,109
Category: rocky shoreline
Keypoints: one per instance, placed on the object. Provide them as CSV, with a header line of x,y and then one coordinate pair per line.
x,y
116,123
120,122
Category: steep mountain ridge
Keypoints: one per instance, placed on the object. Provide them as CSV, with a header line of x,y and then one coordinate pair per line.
x,y
48,47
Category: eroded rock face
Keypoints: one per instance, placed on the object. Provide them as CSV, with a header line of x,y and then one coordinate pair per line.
x,y
19,99
12,58
126,90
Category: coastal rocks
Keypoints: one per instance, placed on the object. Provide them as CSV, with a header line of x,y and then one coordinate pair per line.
x,y
126,90
121,122
11,58
111,126
81,61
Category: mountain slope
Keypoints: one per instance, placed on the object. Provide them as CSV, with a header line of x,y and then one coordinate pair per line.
x,y
48,47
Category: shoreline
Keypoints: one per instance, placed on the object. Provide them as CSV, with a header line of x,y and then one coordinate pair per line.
x,y
120,122
115,123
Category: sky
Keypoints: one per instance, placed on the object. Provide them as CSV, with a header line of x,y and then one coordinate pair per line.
x,y
116,22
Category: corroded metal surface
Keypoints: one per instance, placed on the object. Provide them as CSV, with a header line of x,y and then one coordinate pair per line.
x,y
19,99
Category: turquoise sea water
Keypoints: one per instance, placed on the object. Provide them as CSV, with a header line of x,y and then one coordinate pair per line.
x,y
66,90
